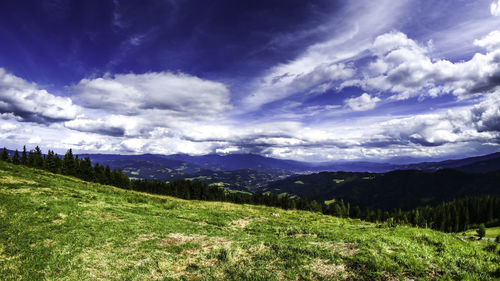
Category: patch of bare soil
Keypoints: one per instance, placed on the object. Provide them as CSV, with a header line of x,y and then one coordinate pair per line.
x,y
328,270
344,249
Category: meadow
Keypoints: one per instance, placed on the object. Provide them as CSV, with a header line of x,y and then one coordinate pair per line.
x,y
54,227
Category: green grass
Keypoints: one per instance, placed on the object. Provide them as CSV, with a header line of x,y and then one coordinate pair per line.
x,y
491,232
57,227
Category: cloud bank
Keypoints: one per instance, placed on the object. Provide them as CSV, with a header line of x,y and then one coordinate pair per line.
x,y
28,103
177,94
495,8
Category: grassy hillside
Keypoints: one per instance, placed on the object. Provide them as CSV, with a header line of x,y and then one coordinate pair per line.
x,y
56,227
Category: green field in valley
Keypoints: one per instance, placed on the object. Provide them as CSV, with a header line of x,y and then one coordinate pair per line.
x,y
491,232
54,227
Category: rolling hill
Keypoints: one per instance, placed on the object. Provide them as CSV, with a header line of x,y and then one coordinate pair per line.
x,y
405,189
58,227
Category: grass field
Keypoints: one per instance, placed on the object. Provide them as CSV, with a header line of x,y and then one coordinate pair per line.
x,y
491,232
56,227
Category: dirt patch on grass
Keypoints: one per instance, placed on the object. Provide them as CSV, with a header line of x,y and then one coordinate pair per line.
x,y
176,239
48,243
241,223
12,180
101,263
325,269
21,190
145,237
61,218
197,255
344,249
110,217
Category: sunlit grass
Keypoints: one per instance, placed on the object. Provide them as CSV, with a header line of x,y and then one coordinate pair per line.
x,y
57,227
491,232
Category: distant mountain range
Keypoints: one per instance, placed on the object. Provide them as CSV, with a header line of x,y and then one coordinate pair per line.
x,y
169,166
479,164
368,184
251,172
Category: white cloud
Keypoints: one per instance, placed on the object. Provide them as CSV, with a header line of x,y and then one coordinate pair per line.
x,y
321,66
282,84
26,101
179,95
486,115
8,127
404,68
35,140
362,103
388,42
495,8
490,42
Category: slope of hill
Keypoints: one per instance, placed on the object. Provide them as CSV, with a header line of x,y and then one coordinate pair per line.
x,y
405,189
57,227
146,166
478,164
482,166
230,162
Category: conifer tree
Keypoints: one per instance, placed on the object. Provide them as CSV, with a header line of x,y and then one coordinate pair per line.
x,y
77,167
5,155
68,163
15,158
86,172
51,162
31,158
481,231
107,175
58,163
24,157
37,158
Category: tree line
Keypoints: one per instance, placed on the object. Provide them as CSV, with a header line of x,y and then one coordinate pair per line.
x,y
455,216
69,164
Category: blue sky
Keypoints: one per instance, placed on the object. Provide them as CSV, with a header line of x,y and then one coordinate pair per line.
x,y
307,80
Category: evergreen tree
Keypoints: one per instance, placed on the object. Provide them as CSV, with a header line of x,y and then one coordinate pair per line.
x,y
51,162
416,218
107,175
86,172
99,173
77,167
31,158
68,163
356,212
5,155
481,231
37,158
24,157
15,158
58,163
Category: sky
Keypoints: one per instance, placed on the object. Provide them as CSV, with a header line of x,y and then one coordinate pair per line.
x,y
317,80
